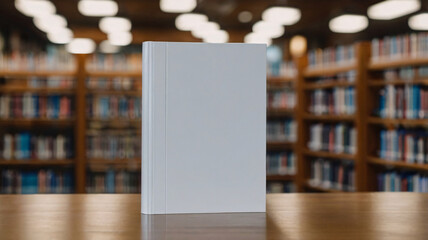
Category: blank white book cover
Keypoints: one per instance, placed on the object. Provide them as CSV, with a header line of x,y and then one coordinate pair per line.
x,y
204,128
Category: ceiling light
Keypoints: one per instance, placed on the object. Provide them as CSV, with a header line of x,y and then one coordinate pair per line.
x,y
187,21
391,9
219,36
50,23
97,8
107,47
81,46
257,38
60,36
32,8
177,6
282,15
269,29
348,23
115,24
204,29
298,45
120,38
245,16
419,22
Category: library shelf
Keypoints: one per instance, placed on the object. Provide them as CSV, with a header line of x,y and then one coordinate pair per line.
x,y
324,154
280,79
277,145
381,82
328,70
114,161
280,177
404,122
329,118
322,189
114,92
36,162
41,91
279,112
397,164
399,62
32,122
111,74
329,84
36,73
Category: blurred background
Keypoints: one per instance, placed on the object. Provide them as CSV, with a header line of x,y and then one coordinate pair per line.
x,y
347,101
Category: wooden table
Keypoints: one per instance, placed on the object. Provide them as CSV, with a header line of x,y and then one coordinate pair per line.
x,y
289,216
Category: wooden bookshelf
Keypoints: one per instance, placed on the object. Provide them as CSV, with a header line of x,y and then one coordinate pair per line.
x,y
111,74
392,122
321,189
279,80
280,177
330,155
272,146
37,73
329,118
329,84
328,70
39,91
114,92
36,162
37,122
381,82
280,112
396,63
397,164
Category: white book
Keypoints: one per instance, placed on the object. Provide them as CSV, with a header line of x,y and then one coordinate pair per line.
x,y
204,128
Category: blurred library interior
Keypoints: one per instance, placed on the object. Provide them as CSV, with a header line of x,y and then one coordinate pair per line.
x,y
347,95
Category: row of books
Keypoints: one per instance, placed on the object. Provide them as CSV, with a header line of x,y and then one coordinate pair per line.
x,y
280,187
55,58
336,101
113,181
412,45
404,145
36,181
285,130
409,102
340,55
30,105
114,62
282,163
281,98
393,181
26,146
282,69
339,175
406,73
343,77
116,83
337,138
114,107
113,146
52,82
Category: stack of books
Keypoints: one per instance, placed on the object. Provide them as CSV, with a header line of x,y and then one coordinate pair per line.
x,y
329,174
393,181
113,181
111,107
283,163
335,101
335,138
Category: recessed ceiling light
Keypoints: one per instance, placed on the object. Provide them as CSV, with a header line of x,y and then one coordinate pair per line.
x,y
204,29
81,46
245,16
348,23
120,38
115,24
32,8
187,21
97,8
219,36
419,22
60,36
282,15
391,9
107,47
269,29
298,45
50,23
177,6
257,38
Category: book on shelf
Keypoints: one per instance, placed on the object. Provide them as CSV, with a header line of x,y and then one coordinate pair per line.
x,y
407,74
335,101
284,98
113,181
114,83
282,163
115,62
111,107
331,174
61,82
27,146
334,138
280,187
281,69
34,106
36,181
121,145
406,145
332,56
396,181
281,130
414,45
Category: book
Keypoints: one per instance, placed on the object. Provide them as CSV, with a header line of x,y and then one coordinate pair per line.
x,y
402,181
335,138
281,131
105,144
332,174
284,98
280,187
114,62
204,139
114,83
335,101
412,45
339,55
113,107
282,163
113,181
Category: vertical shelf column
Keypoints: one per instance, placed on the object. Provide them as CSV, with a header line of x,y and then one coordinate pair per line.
x,y
80,128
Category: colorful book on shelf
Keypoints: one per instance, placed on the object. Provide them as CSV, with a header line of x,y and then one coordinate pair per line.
x,y
389,48
395,181
283,163
280,187
335,138
281,131
113,181
335,101
125,145
281,99
112,107
329,174
332,56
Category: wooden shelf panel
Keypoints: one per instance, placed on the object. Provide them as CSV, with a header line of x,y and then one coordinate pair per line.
x,y
280,112
280,177
280,79
279,146
114,161
404,122
397,164
329,118
31,122
328,70
114,92
46,73
331,84
401,62
36,162
131,73
322,189
43,91
323,154
381,82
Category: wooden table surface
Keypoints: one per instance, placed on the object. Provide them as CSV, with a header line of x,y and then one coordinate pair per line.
x,y
289,216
